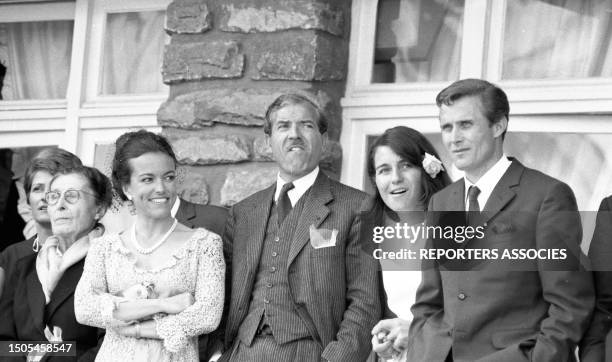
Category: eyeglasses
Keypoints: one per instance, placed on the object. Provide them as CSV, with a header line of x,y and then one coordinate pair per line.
x,y
71,196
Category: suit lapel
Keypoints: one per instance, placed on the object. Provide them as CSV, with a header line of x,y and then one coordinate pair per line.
x,y
65,287
36,297
314,213
456,199
257,221
185,213
504,191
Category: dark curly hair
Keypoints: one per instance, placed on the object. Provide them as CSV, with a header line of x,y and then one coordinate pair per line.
x,y
132,145
411,146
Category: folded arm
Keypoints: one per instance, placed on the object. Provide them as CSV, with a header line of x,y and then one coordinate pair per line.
x,y
204,315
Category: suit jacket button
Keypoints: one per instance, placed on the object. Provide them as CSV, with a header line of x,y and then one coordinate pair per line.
x,y
272,269
277,239
461,296
269,285
266,301
274,254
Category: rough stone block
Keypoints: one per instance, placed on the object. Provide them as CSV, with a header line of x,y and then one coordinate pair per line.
x,y
188,17
261,149
309,57
242,184
193,188
244,107
211,150
202,60
272,16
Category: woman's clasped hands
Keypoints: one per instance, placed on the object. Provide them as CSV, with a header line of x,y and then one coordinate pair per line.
x,y
390,338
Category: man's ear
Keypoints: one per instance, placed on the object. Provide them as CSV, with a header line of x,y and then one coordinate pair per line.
x,y
500,127
267,140
324,140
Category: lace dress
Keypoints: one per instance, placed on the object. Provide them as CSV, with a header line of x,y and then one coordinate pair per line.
x,y
197,267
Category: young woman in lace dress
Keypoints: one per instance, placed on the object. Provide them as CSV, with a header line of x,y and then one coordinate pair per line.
x,y
158,285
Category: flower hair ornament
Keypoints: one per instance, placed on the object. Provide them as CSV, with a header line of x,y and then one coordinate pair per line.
x,y
432,165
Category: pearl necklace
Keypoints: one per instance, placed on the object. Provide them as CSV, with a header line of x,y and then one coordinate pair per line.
x,y
151,249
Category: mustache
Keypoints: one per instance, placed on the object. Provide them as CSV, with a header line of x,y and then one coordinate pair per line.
x,y
293,143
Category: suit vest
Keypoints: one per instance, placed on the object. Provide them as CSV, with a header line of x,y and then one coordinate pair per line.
x,y
271,297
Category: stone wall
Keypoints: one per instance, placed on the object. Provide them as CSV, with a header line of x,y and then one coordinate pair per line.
x,y
226,62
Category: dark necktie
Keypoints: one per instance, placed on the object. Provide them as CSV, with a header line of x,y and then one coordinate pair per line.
x,y
283,205
473,208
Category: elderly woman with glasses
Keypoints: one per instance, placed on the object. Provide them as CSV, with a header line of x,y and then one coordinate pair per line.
x,y
45,164
38,301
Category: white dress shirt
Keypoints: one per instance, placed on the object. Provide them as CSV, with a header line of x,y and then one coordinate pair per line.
x,y
300,186
487,182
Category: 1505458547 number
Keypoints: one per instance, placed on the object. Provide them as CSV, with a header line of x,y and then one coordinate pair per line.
x,y
19,348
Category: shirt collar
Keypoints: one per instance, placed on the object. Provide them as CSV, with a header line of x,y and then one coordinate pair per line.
x,y
175,207
488,181
301,185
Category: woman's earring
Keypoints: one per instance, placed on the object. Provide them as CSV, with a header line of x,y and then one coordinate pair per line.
x,y
129,197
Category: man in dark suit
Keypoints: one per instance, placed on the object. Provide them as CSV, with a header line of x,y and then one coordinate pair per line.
x,y
596,346
302,288
500,310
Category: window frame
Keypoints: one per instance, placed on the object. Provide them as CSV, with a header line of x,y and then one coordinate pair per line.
x,y
577,105
82,120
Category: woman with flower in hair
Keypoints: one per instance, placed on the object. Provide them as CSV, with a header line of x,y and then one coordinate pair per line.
x,y
406,171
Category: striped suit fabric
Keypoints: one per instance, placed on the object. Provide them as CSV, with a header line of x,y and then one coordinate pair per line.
x,y
334,290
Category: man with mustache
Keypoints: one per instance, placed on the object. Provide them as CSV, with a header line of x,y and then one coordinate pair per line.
x,y
495,310
302,288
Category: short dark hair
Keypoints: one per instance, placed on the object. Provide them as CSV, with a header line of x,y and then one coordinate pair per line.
x,y
52,160
99,183
132,145
410,145
291,99
492,98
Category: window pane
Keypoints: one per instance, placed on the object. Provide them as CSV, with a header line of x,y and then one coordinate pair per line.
x,y
133,53
552,39
417,40
35,57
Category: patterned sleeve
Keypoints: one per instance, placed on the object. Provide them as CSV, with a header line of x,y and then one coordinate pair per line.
x,y
93,304
205,314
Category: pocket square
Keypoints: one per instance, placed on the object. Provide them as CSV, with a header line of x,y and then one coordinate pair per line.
x,y
322,238
502,228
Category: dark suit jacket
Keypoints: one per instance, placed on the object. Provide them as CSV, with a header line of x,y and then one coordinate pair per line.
x,y
334,289
14,252
593,346
493,314
211,218
24,315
